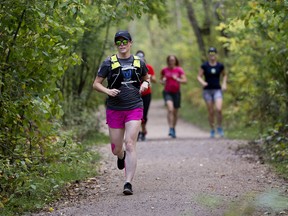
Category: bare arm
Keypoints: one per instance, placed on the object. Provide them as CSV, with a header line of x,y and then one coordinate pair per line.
x,y
162,79
181,79
153,79
98,86
200,77
145,84
224,81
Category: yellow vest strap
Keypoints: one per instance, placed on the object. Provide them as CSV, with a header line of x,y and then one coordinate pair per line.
x,y
136,61
114,62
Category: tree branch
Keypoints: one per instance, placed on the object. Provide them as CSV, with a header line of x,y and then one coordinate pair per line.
x,y
15,35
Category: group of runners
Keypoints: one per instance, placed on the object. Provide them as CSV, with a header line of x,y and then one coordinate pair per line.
x,y
129,80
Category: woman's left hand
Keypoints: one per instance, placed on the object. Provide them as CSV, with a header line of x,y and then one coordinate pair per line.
x,y
144,86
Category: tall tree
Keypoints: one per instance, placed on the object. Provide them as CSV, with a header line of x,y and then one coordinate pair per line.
x,y
200,32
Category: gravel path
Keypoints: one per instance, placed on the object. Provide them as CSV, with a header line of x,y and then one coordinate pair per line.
x,y
191,175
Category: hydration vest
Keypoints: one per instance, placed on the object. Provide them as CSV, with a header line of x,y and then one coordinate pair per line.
x,y
116,77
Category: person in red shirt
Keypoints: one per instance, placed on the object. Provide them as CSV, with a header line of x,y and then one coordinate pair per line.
x,y
172,77
146,97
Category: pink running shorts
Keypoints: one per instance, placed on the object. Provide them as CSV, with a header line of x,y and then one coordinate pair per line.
x,y
118,118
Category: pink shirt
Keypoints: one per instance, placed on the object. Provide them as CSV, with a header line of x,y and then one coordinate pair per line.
x,y
172,85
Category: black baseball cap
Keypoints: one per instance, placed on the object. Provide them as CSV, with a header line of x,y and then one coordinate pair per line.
x,y
212,50
123,34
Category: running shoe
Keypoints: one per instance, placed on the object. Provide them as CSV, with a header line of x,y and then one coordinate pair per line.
x,y
121,162
172,133
139,136
220,132
128,189
212,133
143,136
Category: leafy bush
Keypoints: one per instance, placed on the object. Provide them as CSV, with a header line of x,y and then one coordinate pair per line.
x,y
276,143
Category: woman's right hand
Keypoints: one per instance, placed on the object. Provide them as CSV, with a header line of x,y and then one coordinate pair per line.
x,y
113,92
163,81
204,84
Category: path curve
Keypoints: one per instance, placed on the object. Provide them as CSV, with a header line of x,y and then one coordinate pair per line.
x,y
190,175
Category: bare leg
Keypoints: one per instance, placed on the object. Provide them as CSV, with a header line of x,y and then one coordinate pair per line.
x,y
170,114
116,139
210,108
218,105
132,129
175,117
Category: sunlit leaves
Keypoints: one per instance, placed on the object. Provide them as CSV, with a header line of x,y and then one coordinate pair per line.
x,y
256,39
36,48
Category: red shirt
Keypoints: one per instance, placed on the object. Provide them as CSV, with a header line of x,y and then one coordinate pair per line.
x,y
152,73
172,85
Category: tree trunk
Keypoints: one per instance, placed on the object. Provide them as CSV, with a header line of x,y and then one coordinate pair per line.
x,y
196,28
84,69
219,12
206,30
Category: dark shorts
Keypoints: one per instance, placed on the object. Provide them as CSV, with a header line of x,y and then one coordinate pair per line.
x,y
118,118
212,94
174,97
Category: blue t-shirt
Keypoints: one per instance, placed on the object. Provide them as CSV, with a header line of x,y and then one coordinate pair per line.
x,y
127,79
212,75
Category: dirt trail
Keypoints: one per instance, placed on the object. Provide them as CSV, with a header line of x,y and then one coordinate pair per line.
x,y
191,175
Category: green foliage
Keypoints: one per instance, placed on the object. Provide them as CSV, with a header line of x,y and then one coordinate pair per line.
x,y
50,52
35,50
258,56
34,56
276,144
257,40
37,184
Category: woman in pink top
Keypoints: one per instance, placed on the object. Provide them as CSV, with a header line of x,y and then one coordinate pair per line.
x,y
172,76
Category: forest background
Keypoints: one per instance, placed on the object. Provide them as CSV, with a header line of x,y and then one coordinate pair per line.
x,y
50,54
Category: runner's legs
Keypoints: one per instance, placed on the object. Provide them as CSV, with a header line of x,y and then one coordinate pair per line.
x,y
146,104
171,113
116,139
131,132
210,108
175,117
218,105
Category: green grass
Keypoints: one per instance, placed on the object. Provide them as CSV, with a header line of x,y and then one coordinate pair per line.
x,y
281,168
233,130
77,164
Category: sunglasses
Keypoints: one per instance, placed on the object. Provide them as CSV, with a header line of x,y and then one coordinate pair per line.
x,y
119,42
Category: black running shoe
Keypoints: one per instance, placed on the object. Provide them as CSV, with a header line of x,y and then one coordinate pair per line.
x,y
139,136
143,137
121,162
128,189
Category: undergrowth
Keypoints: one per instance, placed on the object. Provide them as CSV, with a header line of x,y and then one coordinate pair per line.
x,y
30,185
